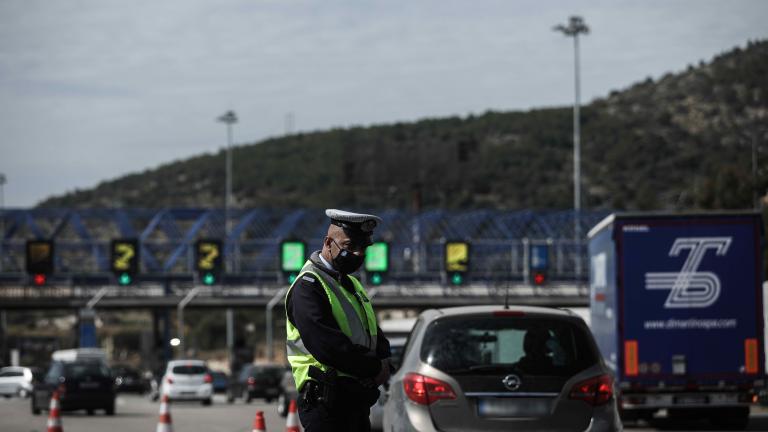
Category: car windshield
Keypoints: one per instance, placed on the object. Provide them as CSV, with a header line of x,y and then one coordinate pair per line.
x,y
493,344
189,370
80,370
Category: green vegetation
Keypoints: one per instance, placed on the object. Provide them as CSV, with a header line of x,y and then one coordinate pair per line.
x,y
681,142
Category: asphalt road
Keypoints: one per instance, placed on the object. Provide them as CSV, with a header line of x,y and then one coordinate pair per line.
x,y
139,414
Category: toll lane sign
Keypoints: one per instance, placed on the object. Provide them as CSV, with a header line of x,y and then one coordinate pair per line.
x,y
457,257
209,260
457,262
125,256
40,257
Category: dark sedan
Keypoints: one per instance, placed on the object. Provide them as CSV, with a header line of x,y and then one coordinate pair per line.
x,y
256,381
220,381
82,385
129,380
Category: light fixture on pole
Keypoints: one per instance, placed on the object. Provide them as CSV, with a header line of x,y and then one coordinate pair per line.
x,y
575,27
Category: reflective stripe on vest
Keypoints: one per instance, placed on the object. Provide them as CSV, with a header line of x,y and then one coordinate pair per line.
x,y
353,313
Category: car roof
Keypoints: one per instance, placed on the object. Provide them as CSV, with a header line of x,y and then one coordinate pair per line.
x,y
13,368
472,310
186,362
79,354
398,325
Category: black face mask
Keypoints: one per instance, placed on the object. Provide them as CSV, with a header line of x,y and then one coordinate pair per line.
x,y
345,262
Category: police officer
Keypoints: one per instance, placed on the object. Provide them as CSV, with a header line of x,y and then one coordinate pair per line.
x,y
337,352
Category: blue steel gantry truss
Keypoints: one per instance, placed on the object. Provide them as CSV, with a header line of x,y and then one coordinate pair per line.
x,y
499,240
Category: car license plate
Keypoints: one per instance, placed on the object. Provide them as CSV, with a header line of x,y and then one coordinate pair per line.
x,y
691,400
89,385
512,407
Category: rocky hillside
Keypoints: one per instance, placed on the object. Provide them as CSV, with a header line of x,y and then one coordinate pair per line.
x,y
680,142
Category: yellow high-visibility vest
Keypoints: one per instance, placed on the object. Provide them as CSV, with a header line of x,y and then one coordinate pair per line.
x,y
353,313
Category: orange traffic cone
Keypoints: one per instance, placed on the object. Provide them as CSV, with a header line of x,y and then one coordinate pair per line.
x,y
258,422
54,417
292,421
164,424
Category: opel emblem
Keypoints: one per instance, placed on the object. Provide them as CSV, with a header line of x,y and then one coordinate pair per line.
x,y
511,382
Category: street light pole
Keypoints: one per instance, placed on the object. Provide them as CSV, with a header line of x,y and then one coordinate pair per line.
x,y
229,118
575,27
3,318
3,181
755,195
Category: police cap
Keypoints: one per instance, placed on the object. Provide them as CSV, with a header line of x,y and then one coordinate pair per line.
x,y
354,223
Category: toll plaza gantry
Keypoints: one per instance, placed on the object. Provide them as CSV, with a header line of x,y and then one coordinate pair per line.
x,y
174,258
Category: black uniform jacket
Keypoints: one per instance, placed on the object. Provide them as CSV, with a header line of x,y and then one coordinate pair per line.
x,y
309,311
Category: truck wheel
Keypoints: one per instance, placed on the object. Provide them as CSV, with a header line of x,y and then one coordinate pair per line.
x,y
730,418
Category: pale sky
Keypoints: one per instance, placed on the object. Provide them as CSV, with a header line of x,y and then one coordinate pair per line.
x,y
91,90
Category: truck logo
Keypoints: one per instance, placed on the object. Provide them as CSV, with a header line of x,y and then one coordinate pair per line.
x,y
690,288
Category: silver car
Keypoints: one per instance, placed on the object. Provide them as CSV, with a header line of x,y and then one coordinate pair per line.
x,y
492,368
187,380
397,331
15,381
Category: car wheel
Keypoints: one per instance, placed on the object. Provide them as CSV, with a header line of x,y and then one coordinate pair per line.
x,y
110,410
207,402
282,405
35,409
